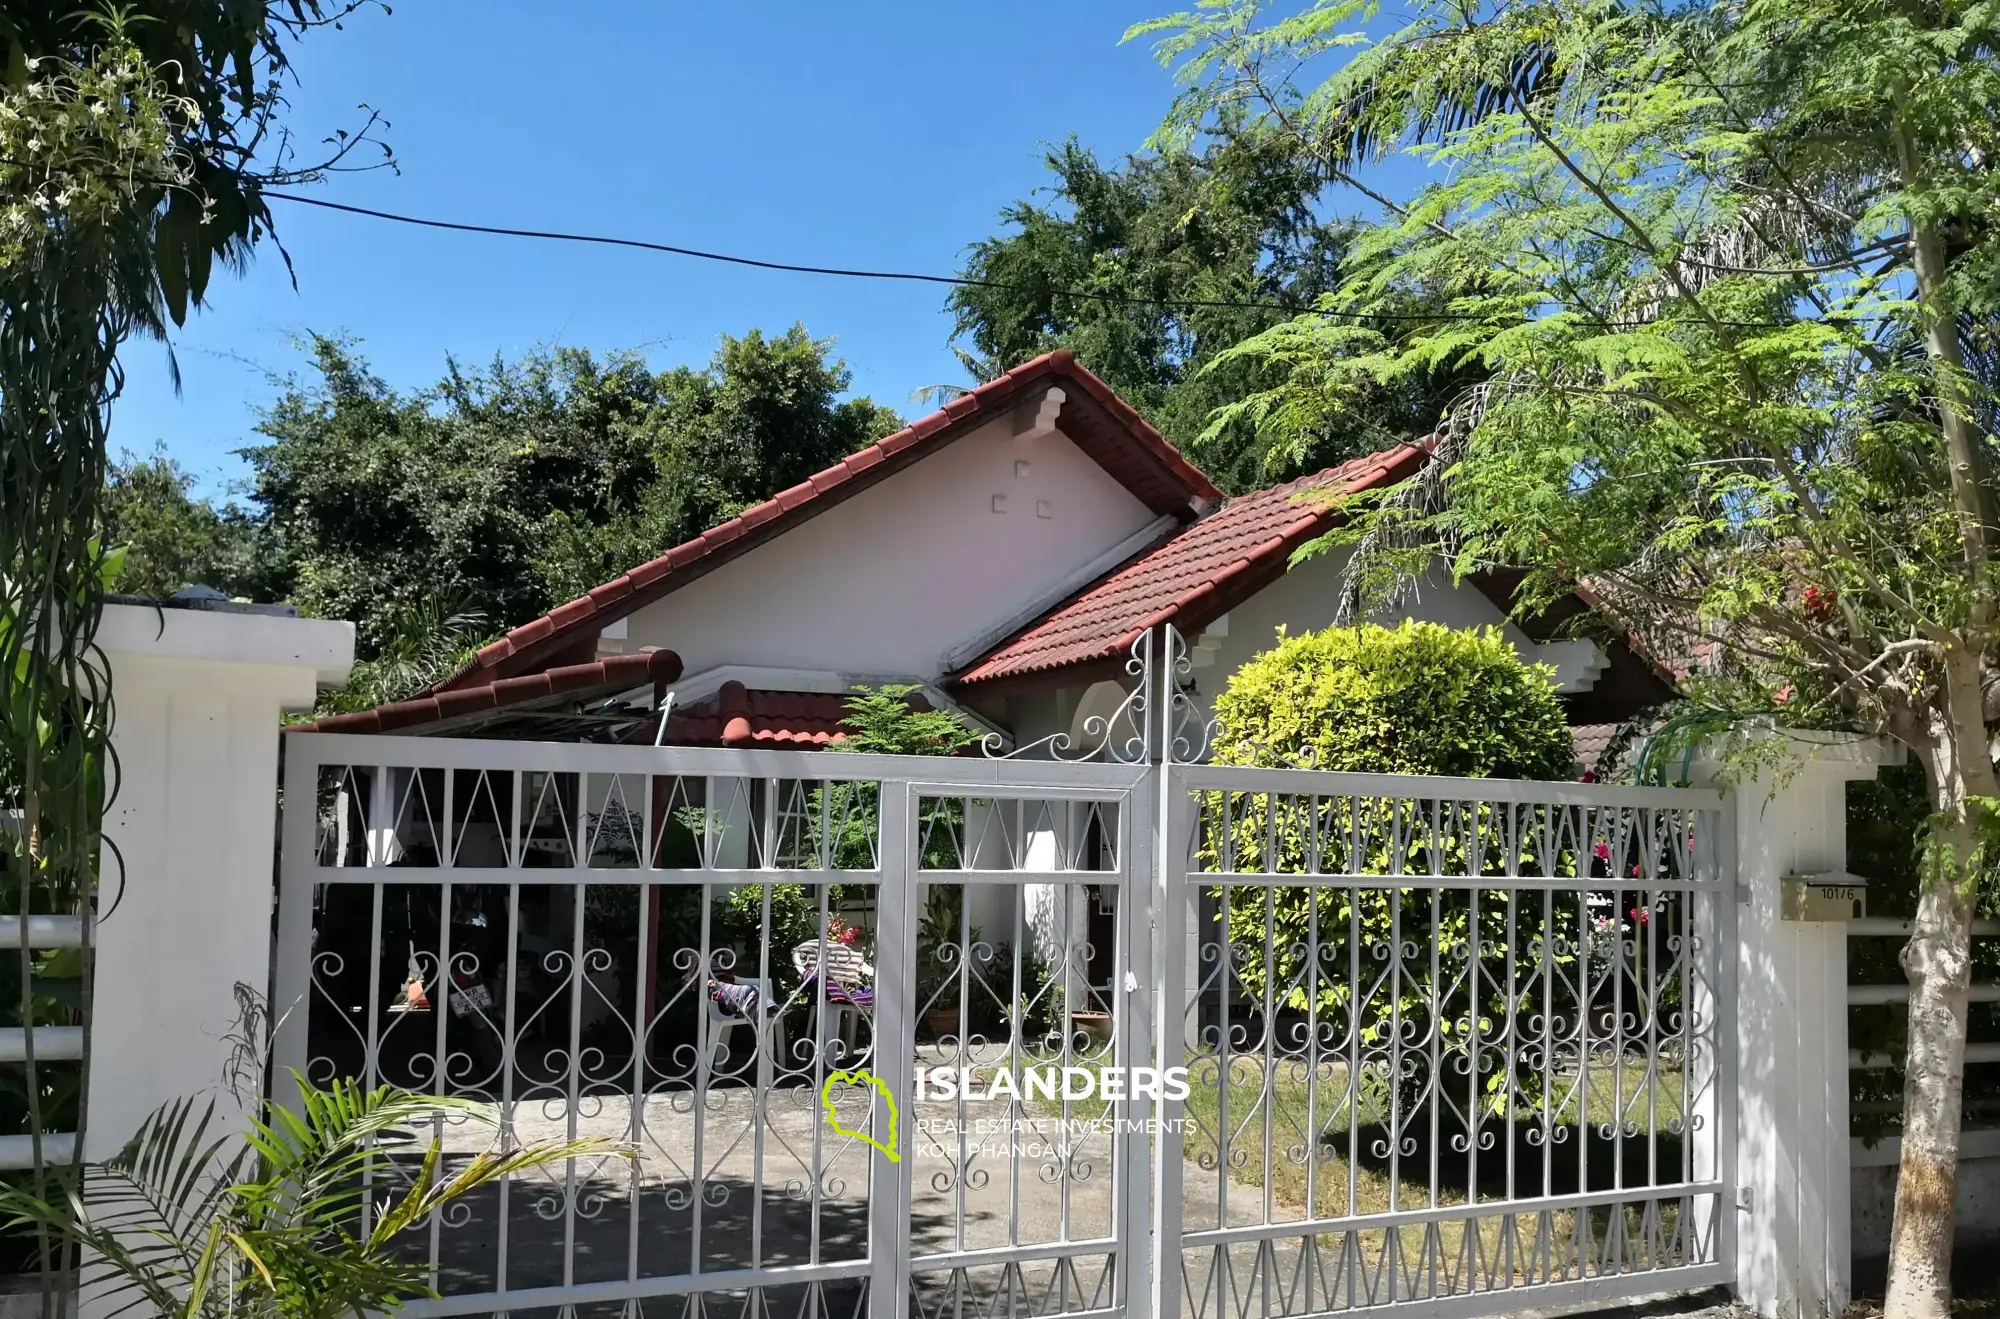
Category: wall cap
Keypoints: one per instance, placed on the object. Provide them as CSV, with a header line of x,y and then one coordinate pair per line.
x,y
326,646
1846,755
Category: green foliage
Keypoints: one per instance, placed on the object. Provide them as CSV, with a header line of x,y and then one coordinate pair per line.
x,y
173,539
739,922
524,485
1685,245
943,942
1236,222
422,646
1419,698
189,1219
134,141
1730,270
183,148
1416,699
880,720
1888,826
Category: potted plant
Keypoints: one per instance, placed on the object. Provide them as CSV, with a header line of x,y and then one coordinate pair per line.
x,y
940,926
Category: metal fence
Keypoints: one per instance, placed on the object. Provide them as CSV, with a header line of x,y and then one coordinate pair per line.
x,y
1457,1046
675,950
1445,1040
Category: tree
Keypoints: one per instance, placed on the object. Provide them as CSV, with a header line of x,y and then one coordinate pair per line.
x,y
771,920
171,538
1730,271
881,721
518,487
417,648
1235,223
135,141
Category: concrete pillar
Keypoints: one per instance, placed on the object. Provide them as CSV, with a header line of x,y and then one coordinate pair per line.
x,y
199,697
1793,1183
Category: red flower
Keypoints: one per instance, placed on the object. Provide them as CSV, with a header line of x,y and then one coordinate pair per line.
x,y
1641,915
1603,851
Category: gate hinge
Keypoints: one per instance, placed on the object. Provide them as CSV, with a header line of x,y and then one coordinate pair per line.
x,y
1746,1198
1742,894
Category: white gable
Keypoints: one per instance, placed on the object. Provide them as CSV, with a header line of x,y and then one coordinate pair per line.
x,y
1306,599
893,580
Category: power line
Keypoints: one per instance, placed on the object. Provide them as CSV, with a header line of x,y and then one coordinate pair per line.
x,y
954,281
957,281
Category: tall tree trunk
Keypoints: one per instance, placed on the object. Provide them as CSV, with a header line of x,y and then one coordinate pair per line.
x,y
1938,961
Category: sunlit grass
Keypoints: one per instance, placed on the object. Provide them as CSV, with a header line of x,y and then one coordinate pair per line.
x,y
1303,1098
1298,1133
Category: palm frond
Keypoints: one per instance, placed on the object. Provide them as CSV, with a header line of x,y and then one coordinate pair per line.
x,y
195,1221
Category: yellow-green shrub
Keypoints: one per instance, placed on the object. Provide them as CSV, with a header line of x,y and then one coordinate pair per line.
x,y
1416,699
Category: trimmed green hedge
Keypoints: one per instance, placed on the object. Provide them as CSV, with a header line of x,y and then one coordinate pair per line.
x,y
1416,699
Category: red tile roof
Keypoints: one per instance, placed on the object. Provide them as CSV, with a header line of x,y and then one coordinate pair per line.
x,y
1092,416
1191,579
458,710
737,716
1591,742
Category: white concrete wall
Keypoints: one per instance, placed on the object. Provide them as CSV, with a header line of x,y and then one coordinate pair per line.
x,y
1977,1217
891,580
1795,1189
199,698
1306,599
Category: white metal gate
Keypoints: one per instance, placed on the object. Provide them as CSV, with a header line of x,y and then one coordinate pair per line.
x,y
648,946
1457,1046
1384,1107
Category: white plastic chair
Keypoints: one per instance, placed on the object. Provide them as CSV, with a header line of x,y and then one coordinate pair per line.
x,y
850,971
722,1025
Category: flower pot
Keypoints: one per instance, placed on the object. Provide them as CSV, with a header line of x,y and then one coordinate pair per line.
x,y
942,1021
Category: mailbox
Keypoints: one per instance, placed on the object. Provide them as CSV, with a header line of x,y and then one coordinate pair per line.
x,y
1833,896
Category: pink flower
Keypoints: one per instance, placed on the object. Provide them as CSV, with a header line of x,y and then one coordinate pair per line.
x,y
1641,915
1603,851
1635,870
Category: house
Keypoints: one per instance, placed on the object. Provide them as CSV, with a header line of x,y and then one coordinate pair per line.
x,y
1003,552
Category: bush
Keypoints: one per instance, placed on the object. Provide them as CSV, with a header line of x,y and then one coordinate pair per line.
x,y
1417,699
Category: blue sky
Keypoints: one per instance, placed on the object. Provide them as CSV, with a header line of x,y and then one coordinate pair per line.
x,y
878,134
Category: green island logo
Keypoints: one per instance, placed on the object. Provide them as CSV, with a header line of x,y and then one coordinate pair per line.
x,y
860,1076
